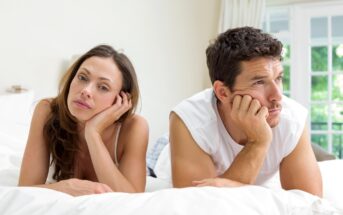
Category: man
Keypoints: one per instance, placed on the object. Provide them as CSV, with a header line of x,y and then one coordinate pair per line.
x,y
243,130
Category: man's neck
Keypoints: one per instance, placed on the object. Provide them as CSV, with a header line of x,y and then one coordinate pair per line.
x,y
232,129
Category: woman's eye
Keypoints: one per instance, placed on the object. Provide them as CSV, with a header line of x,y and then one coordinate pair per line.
x,y
103,88
82,78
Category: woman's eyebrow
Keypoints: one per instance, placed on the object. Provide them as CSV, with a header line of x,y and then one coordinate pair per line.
x,y
89,73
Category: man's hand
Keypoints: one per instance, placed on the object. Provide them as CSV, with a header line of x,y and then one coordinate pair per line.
x,y
251,118
77,187
217,182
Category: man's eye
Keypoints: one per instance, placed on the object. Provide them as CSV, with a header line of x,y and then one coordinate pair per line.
x,y
260,82
280,78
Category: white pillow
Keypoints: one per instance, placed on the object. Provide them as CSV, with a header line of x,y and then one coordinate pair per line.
x,y
16,107
15,116
162,168
332,175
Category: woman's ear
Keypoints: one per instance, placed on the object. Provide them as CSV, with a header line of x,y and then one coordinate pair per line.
x,y
222,91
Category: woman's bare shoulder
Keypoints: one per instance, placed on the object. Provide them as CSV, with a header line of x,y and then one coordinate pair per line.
x,y
135,129
135,122
43,109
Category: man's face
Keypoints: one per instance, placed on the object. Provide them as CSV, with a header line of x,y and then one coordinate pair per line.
x,y
261,78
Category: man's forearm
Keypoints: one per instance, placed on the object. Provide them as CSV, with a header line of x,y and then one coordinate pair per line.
x,y
247,164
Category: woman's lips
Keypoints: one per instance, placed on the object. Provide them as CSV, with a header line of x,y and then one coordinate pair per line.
x,y
82,104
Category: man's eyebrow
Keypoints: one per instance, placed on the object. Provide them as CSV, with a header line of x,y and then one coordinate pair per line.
x,y
258,77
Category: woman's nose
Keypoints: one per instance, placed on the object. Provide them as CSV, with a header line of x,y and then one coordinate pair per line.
x,y
87,91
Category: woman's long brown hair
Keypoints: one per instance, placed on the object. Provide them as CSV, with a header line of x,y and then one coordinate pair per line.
x,y
60,131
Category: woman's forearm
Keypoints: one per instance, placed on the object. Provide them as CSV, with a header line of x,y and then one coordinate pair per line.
x,y
107,172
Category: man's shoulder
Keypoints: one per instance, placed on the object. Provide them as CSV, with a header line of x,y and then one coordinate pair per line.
x,y
292,110
292,121
200,117
199,108
204,96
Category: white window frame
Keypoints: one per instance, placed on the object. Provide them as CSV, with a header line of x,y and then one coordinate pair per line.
x,y
300,43
301,79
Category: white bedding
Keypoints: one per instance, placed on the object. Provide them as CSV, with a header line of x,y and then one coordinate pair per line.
x,y
159,198
206,200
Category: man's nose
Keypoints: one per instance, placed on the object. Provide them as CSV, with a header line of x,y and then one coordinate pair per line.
x,y
275,92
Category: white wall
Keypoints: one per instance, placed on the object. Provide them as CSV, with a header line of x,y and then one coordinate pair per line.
x,y
166,40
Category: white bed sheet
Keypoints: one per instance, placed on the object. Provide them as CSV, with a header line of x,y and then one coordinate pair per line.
x,y
160,199
205,200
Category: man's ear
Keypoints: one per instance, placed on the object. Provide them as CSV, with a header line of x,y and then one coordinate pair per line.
x,y
222,91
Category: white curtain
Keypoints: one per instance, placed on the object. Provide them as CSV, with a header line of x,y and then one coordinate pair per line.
x,y
239,13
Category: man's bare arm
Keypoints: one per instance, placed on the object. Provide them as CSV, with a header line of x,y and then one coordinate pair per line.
x,y
247,164
189,161
250,118
299,170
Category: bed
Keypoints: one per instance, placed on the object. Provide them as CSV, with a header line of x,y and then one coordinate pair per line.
x,y
159,197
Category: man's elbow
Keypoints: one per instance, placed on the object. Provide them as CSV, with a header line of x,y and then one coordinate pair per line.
x,y
316,190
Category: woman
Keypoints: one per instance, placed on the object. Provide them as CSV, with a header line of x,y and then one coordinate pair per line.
x,y
89,134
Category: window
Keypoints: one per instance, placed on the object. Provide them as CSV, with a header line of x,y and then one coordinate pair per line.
x,y
276,22
313,34
327,82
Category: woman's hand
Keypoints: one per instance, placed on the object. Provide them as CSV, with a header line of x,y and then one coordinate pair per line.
x,y
77,187
104,119
217,182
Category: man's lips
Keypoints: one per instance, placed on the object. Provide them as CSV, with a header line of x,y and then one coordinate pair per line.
x,y
82,104
274,111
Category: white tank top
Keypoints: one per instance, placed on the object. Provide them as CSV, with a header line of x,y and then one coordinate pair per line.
x,y
201,117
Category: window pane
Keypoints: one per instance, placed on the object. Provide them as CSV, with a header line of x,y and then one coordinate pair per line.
x,y
265,26
286,78
279,21
319,28
337,26
337,58
319,117
278,26
320,139
337,87
286,53
319,85
286,69
319,59
337,117
338,145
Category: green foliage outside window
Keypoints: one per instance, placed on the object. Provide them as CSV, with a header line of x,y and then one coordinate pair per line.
x,y
319,92
286,69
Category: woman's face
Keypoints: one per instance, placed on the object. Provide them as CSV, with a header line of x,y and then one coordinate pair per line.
x,y
94,88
